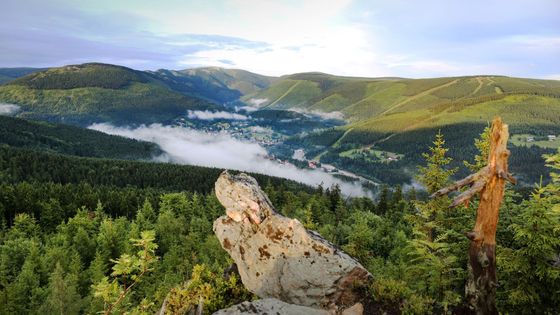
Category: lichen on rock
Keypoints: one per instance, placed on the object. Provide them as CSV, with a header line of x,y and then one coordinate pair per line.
x,y
278,258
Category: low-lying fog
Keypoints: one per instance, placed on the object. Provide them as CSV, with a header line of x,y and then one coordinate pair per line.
x,y
9,109
220,150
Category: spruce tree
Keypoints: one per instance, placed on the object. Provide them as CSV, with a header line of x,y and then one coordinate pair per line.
x,y
62,296
530,268
433,269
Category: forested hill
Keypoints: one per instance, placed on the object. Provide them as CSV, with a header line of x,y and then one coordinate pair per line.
x,y
400,116
65,139
101,176
72,228
393,117
216,84
94,92
365,98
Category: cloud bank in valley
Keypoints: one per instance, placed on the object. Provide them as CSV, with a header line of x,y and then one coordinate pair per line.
x,y
254,105
258,101
188,146
209,115
323,115
9,109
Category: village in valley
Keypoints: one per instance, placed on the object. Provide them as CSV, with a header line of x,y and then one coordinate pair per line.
x,y
528,140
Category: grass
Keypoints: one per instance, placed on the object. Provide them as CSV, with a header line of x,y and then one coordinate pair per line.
x,y
514,109
364,99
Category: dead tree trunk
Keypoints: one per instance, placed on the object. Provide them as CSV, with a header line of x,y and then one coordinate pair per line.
x,y
481,285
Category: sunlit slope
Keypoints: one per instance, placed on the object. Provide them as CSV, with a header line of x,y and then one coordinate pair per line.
x,y
363,99
402,116
521,111
411,133
97,92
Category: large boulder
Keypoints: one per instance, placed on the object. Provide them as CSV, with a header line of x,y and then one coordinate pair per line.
x,y
270,306
278,258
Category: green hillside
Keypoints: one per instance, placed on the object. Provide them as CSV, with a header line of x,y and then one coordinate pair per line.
x,y
386,117
363,98
88,93
392,117
70,226
215,84
10,74
407,133
71,140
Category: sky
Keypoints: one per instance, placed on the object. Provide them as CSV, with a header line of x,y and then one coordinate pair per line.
x,y
371,38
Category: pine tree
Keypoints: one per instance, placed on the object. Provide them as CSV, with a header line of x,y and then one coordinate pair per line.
x,y
309,217
383,203
397,196
531,267
146,216
360,239
24,294
434,175
433,269
482,144
62,296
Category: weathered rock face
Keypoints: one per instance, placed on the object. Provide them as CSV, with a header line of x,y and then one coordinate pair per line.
x,y
277,257
270,306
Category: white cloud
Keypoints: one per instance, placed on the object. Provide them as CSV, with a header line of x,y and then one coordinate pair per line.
x,y
552,77
330,115
260,129
278,22
301,36
257,101
248,109
188,146
344,37
9,109
343,50
538,43
208,115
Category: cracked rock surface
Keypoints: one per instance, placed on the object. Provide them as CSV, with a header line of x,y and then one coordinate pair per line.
x,y
278,258
270,306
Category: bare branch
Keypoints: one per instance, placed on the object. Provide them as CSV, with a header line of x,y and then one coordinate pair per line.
x,y
477,181
466,196
455,186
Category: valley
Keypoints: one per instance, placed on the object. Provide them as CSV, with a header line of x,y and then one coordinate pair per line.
x,y
368,128
348,157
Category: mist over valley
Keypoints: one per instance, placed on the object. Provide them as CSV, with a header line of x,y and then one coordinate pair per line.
x,y
184,145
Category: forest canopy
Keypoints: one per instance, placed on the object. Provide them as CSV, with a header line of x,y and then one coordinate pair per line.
x,y
70,225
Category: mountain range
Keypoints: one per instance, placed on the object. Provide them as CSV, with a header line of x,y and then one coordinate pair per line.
x,y
110,91
391,115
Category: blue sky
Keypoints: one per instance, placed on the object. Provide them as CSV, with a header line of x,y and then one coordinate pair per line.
x,y
425,38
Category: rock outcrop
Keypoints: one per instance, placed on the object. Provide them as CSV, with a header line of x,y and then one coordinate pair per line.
x,y
278,258
270,306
